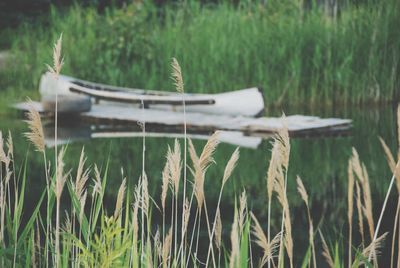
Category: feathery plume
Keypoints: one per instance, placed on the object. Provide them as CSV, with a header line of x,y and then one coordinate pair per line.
x,y
120,199
230,166
58,61
34,122
388,154
174,165
269,248
283,138
302,190
201,164
177,76
206,156
373,249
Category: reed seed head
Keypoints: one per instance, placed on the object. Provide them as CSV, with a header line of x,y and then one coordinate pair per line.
x,y
120,199
177,76
269,248
302,190
35,135
58,61
230,166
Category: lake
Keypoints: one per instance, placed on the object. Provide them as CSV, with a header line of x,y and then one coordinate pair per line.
x,y
320,161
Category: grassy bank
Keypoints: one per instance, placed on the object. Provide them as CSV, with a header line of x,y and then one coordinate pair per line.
x,y
297,55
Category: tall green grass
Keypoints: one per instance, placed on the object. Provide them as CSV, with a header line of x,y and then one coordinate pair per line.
x,y
296,56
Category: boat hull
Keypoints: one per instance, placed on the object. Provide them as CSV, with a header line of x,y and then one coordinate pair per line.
x,y
246,102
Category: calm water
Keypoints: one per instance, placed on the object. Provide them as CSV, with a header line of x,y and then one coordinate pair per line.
x,y
321,162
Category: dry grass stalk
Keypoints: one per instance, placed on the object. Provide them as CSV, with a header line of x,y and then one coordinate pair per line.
x,y
186,215
326,254
97,187
230,166
34,122
218,230
82,202
303,193
166,248
165,183
61,177
58,61
388,154
362,176
206,157
200,165
302,190
280,189
360,213
398,130
145,203
234,258
2,209
242,211
269,248
177,76
136,211
3,156
350,205
120,199
273,168
10,145
368,203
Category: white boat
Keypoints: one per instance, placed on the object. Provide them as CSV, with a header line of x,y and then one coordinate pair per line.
x,y
246,102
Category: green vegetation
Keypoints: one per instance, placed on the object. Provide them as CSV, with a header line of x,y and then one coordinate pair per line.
x,y
298,55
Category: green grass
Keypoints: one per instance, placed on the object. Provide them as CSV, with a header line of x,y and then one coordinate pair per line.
x,y
296,57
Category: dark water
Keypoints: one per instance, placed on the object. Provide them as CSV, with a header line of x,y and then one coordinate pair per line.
x,y
320,161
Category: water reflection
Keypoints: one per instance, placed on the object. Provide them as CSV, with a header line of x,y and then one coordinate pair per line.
x,y
320,161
